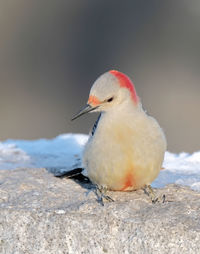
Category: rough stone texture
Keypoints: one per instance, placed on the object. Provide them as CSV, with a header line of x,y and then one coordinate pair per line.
x,y
43,214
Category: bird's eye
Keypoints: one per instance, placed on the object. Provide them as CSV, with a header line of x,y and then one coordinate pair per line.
x,y
110,99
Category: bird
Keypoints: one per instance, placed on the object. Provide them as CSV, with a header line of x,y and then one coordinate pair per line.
x,y
126,147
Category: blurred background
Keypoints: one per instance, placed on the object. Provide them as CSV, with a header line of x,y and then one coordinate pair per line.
x,y
52,51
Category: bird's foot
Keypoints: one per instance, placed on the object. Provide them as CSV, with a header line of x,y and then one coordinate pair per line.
x,y
100,191
148,190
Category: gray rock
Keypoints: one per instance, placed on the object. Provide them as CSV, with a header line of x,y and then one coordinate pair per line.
x,y
40,213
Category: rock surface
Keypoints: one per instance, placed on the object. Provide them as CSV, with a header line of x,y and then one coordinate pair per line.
x,y
40,213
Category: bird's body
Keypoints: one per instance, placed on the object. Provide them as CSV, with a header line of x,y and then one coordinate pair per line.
x,y
126,150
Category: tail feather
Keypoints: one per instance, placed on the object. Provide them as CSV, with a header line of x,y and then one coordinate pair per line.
x,y
74,173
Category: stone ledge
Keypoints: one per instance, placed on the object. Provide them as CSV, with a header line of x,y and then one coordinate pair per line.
x,y
43,214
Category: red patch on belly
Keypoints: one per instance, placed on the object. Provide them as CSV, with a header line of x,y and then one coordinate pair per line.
x,y
129,182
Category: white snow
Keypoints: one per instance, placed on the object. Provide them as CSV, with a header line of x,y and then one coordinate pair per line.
x,y
64,153
183,168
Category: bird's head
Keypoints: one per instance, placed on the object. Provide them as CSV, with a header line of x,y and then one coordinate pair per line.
x,y
110,89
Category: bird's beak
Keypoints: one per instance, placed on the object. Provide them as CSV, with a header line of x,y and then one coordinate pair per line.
x,y
85,110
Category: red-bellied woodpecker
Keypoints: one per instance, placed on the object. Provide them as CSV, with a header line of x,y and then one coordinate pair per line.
x,y
126,148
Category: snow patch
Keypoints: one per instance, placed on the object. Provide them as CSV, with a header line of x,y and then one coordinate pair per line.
x,y
183,168
64,153
61,153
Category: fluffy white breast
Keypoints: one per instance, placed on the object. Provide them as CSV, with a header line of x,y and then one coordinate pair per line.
x,y
125,139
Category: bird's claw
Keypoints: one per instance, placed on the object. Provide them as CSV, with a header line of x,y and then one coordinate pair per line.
x,y
148,190
100,191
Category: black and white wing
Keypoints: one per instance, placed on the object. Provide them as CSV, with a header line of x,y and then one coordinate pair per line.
x,y
95,126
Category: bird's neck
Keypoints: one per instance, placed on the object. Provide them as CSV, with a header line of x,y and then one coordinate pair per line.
x,y
124,112
120,120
